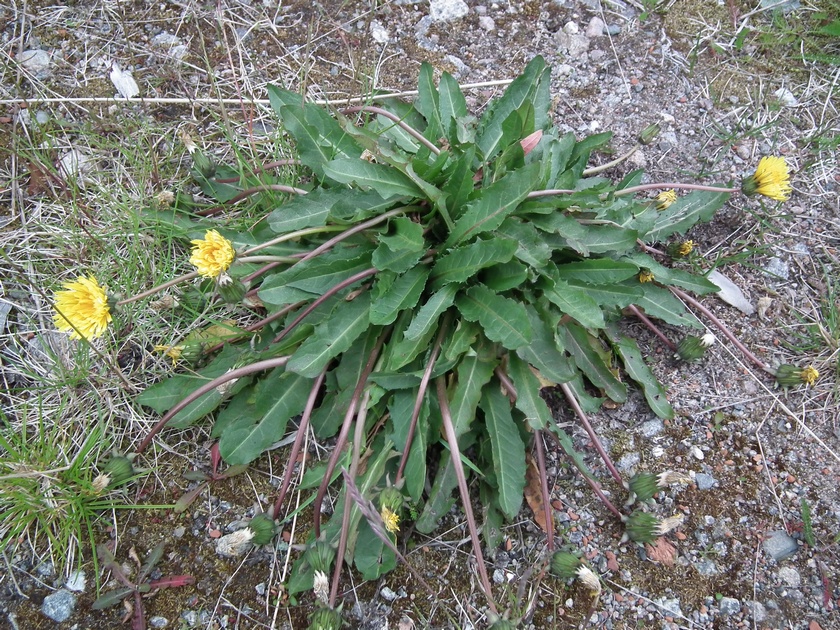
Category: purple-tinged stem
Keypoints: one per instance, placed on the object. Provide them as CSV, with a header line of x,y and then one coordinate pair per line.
x,y
455,455
259,169
402,124
677,185
653,327
570,396
539,448
247,193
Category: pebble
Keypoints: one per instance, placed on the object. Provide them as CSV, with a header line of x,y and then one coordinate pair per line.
x,y
388,594
59,606
158,622
706,567
779,545
652,427
704,481
447,10
790,577
379,32
785,97
777,268
595,28
37,62
729,606
758,611
487,23
628,461
179,531
76,581
696,452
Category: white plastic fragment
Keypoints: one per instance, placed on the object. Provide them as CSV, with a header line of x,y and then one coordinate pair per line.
x,y
730,293
124,82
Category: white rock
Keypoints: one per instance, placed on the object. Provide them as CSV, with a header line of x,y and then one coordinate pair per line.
x,y
596,27
379,33
786,97
76,581
487,23
697,453
571,28
75,164
447,10
36,62
730,293
124,82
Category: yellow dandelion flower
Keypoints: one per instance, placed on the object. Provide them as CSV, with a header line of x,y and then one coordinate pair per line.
x,y
771,179
212,255
809,375
645,276
173,352
391,519
82,309
665,199
685,248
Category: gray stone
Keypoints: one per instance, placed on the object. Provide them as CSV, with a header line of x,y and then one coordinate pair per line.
x,y
487,23
704,481
75,581
447,10
670,605
165,40
706,567
190,617
786,6
777,268
651,427
790,577
388,594
628,461
59,605
729,606
42,117
779,545
758,611
158,622
36,62
595,28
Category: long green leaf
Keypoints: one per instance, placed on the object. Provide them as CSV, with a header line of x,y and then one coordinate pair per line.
x,y
678,277
544,351
661,304
528,399
332,337
403,293
464,262
590,361
639,371
275,401
305,210
453,105
503,319
685,212
428,314
400,408
576,303
385,180
507,448
494,205
428,102
597,271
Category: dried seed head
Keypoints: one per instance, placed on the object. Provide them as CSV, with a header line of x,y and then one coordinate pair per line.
x,y
587,577
234,544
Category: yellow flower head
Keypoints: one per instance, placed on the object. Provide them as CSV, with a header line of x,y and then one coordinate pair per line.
x,y
771,179
645,276
212,255
685,248
391,520
82,309
665,199
173,352
809,375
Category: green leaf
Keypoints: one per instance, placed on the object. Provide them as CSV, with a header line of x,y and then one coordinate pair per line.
x,y
569,449
464,262
611,239
576,303
528,399
507,448
503,319
459,184
589,357
332,337
661,304
373,558
385,180
531,246
668,275
402,294
462,339
453,105
358,205
685,212
275,400
428,102
505,276
597,271
401,250
522,90
620,295
400,408
639,371
494,205
305,211
428,314
544,352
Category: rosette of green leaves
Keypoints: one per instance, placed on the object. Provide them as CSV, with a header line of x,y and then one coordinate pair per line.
x,y
472,261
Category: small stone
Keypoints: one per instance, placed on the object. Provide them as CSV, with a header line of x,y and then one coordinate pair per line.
x,y
499,576
45,569
696,453
447,10
388,594
158,622
613,29
790,577
487,23
651,428
670,605
165,40
628,461
729,606
704,481
379,32
595,28
757,610
179,531
190,617
785,6
785,97
777,268
779,545
59,605
36,62
75,581
706,568
260,588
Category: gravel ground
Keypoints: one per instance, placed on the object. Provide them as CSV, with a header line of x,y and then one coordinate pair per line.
x,y
739,559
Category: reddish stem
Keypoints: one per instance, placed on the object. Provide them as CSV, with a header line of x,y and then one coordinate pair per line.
x,y
653,328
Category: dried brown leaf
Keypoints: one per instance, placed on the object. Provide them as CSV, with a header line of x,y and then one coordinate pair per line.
x,y
662,552
533,492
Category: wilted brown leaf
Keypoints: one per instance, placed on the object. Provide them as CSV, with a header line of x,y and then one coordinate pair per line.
x,y
533,492
662,552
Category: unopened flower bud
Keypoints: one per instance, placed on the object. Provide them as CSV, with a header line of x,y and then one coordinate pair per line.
x,y
263,528
119,469
643,486
320,556
204,164
649,133
641,527
692,348
565,564
231,289
325,619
